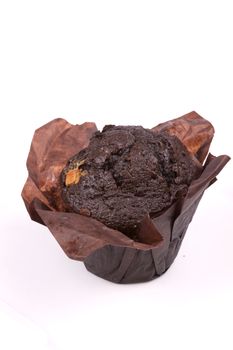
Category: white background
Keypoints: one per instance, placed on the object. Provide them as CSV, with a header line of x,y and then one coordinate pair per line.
x,y
114,62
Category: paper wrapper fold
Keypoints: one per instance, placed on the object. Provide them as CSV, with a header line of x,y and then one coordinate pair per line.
x,y
106,252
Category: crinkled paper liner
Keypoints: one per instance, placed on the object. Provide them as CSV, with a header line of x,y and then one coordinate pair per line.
x,y
106,252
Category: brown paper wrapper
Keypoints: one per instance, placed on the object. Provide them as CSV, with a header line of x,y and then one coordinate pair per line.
x,y
106,252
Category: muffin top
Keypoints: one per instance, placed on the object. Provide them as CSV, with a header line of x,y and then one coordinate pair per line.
x,y
126,173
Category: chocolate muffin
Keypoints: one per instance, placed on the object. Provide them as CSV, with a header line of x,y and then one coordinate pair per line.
x,y
126,173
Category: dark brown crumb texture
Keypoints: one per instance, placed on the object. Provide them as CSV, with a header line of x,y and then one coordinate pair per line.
x,y
126,173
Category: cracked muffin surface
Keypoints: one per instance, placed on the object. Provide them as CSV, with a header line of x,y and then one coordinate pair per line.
x,y
126,173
